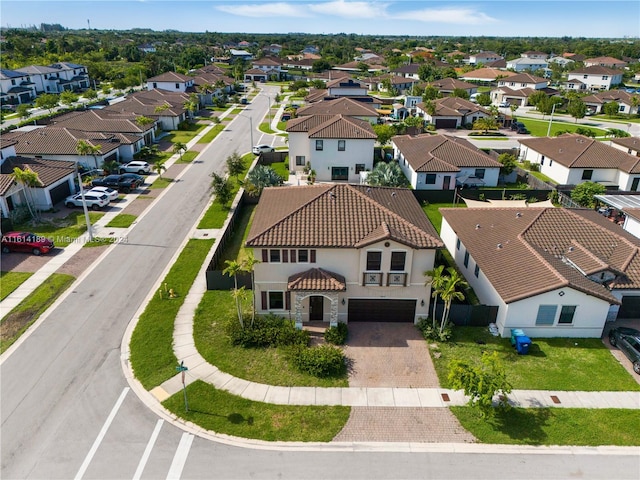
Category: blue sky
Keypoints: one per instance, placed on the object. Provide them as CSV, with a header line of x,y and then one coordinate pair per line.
x,y
527,18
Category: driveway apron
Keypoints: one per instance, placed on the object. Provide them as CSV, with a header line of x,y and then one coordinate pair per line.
x,y
395,355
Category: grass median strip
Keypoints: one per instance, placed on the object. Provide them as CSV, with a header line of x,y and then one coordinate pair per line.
x,y
30,309
554,426
9,281
222,412
161,183
211,134
188,156
122,220
152,355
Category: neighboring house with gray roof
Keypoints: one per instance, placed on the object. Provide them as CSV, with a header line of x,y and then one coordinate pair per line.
x,y
171,82
524,64
342,253
338,147
571,159
451,112
57,77
552,272
440,162
16,87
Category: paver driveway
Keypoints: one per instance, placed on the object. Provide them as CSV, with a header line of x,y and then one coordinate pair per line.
x,y
395,355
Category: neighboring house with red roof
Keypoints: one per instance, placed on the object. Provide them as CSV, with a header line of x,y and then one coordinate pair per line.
x,y
552,272
338,147
593,78
627,102
608,62
517,89
440,162
631,145
341,106
343,253
171,82
485,75
166,108
446,86
255,75
452,112
571,159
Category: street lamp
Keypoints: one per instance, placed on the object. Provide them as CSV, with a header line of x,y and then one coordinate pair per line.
x,y
553,109
84,204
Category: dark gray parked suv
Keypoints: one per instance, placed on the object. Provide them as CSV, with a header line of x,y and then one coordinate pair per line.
x,y
628,341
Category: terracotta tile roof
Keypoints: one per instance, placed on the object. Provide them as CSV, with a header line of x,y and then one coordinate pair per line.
x,y
577,151
525,78
339,216
532,251
441,153
212,69
103,120
170,77
145,103
596,70
332,126
49,171
605,60
269,61
454,106
345,83
316,279
61,141
341,106
316,95
488,74
451,84
611,96
628,142
6,142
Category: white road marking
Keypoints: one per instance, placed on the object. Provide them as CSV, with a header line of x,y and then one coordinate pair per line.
x,y
147,451
180,458
100,437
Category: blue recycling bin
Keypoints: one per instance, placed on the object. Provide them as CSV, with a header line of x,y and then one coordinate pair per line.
x,y
522,344
516,332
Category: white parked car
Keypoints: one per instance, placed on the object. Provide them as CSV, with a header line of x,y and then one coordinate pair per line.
x,y
136,166
258,149
109,192
95,200
503,104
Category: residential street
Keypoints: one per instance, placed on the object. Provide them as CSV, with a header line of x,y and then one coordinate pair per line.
x,y
68,411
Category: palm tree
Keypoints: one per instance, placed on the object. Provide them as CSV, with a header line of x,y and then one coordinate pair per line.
x,y
260,177
160,167
233,268
435,281
387,175
247,266
28,179
449,292
144,121
180,148
85,148
161,108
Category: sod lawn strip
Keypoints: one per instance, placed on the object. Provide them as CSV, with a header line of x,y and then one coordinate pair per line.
x,y
122,220
9,281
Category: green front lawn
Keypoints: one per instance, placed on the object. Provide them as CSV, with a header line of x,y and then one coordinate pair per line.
x,y
583,364
262,365
184,136
122,220
554,426
62,231
9,281
222,412
29,310
152,355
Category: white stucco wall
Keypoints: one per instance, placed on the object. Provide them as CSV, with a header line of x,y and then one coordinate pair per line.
x,y
632,226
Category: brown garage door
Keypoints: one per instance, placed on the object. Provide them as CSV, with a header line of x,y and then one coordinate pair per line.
x,y
377,310
446,123
630,307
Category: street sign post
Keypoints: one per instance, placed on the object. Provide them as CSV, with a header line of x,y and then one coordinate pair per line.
x,y
182,369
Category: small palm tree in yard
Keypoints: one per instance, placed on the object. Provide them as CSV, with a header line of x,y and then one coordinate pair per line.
x,y
247,266
179,148
435,281
387,175
28,179
449,292
232,269
159,167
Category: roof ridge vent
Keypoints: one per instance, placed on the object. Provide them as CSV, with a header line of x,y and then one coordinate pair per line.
x,y
499,246
477,226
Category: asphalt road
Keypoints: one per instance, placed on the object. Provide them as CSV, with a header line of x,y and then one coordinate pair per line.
x,y
67,410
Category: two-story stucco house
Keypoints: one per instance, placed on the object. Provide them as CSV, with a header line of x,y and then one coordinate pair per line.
x,y
16,87
571,159
440,162
337,147
343,253
627,102
523,64
483,58
451,112
552,272
517,88
593,78
172,82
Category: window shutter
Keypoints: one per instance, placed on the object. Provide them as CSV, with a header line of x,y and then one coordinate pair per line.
x,y
287,300
285,256
312,254
265,255
263,296
293,256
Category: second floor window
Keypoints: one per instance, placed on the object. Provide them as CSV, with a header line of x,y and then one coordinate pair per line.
x,y
341,145
319,144
374,261
398,261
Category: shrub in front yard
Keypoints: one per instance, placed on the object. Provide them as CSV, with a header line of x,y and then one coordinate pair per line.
x,y
320,361
429,332
336,335
266,331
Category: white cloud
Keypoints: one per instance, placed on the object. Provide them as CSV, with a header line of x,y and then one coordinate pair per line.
x,y
340,8
279,9
466,16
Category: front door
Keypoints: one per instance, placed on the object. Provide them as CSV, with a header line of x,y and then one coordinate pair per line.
x,y
446,182
316,304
